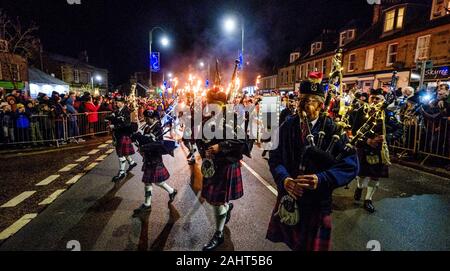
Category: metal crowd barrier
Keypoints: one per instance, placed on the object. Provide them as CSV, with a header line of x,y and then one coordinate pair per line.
x,y
431,137
45,129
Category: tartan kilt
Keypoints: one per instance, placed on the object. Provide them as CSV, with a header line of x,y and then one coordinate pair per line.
x,y
125,147
378,170
154,174
312,233
226,185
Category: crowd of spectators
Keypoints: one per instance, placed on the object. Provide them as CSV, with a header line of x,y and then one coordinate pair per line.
x,y
58,119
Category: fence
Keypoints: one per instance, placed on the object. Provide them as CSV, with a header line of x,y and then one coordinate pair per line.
x,y
19,129
431,137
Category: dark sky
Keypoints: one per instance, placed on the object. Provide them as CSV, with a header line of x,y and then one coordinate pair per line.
x,y
115,32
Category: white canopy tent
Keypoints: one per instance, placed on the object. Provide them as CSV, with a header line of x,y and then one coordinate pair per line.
x,y
42,82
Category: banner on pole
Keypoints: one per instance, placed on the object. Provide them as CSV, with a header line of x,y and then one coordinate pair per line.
x,y
155,62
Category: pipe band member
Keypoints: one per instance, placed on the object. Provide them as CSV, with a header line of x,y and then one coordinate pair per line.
x,y
152,149
121,125
373,152
226,184
306,175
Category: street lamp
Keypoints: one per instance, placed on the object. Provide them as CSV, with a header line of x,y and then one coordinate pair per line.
x,y
164,42
229,26
98,78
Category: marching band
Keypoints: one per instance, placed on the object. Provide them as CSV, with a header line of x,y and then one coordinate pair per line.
x,y
319,151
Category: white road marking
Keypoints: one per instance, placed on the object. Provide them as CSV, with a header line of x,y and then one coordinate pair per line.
x,y
11,230
102,146
75,179
110,151
101,158
90,167
48,180
261,179
52,197
68,168
82,159
18,199
93,152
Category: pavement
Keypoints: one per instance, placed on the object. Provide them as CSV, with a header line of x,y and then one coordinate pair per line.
x,y
412,209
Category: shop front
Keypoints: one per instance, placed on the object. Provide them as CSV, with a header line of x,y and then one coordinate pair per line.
x,y
432,76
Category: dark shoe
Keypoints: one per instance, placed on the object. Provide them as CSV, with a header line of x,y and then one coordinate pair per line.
x,y
119,177
130,168
141,210
215,242
368,205
172,196
358,193
230,208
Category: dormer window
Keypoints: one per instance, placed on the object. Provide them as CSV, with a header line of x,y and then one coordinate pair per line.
x,y
394,19
440,9
316,47
346,37
294,57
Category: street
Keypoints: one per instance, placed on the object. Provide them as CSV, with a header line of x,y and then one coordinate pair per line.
x,y
80,203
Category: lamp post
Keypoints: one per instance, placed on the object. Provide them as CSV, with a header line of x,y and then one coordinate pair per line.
x,y
98,78
164,41
230,25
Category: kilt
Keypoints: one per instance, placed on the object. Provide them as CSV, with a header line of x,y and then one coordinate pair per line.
x,y
312,233
378,170
226,185
125,147
154,174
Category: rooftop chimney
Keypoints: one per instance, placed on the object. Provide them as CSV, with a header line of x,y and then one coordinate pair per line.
x,y
83,56
377,9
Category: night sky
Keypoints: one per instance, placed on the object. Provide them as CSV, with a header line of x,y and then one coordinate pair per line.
x,y
115,32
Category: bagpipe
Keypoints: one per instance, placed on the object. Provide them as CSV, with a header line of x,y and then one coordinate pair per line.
x,y
208,167
316,156
153,142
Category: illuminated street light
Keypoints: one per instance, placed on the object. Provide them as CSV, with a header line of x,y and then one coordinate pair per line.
x,y
230,25
165,41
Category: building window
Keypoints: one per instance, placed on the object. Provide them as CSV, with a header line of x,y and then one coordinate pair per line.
x,y
394,19
423,48
369,59
346,37
76,76
351,62
294,57
316,66
308,69
316,47
440,8
293,76
392,54
15,72
300,72
324,66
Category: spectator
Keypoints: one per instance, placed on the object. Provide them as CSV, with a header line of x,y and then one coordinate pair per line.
x,y
7,122
48,128
74,131
22,124
61,115
33,111
92,113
